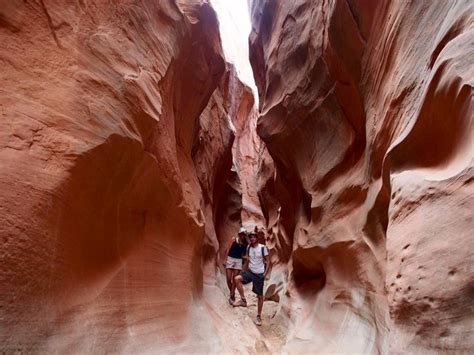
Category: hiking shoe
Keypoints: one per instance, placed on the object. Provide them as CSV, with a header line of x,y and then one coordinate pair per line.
x,y
231,300
258,321
241,303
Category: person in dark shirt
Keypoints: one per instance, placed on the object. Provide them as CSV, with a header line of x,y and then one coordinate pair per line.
x,y
233,264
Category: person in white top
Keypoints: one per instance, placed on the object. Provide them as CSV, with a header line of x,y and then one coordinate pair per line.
x,y
256,257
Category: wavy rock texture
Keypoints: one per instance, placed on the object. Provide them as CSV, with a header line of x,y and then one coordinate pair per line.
x,y
366,110
130,154
212,156
246,151
233,202
101,174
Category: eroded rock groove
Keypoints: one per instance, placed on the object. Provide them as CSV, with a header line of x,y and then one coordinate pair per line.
x,y
131,152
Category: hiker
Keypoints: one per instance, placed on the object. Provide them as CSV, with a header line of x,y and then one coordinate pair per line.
x,y
233,264
256,257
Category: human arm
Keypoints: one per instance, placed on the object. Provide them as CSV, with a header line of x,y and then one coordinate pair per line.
x,y
245,260
268,265
227,251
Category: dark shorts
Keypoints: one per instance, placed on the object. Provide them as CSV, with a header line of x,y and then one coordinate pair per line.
x,y
256,280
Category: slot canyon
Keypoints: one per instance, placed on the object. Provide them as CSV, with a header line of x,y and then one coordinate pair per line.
x,y
133,149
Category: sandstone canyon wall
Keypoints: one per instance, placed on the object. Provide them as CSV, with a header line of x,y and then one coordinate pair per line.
x,y
130,153
115,178
218,165
246,154
366,110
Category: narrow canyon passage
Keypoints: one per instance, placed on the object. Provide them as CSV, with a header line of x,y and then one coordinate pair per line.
x,y
137,137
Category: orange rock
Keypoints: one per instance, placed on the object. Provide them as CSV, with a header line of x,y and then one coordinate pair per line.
x,y
130,154
366,109
100,201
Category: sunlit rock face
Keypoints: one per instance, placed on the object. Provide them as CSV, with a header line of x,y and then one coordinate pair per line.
x,y
246,151
101,190
366,110
130,154
213,159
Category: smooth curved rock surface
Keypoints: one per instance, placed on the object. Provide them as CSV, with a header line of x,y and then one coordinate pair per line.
x,y
246,151
366,110
130,153
102,226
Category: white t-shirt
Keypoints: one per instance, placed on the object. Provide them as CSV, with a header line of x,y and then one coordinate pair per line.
x,y
256,261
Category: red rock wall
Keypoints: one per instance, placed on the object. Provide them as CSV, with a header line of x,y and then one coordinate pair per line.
x,y
213,159
128,150
366,110
246,151
101,179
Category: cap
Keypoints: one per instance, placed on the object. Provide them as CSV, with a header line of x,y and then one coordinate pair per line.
x,y
242,230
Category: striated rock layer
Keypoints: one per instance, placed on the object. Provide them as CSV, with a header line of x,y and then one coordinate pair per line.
x,y
130,154
366,110
212,156
246,152
111,179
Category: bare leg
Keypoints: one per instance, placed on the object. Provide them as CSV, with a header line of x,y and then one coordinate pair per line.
x,y
260,305
235,272
230,280
240,287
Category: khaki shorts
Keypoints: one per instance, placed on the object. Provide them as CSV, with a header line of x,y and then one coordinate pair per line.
x,y
233,263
